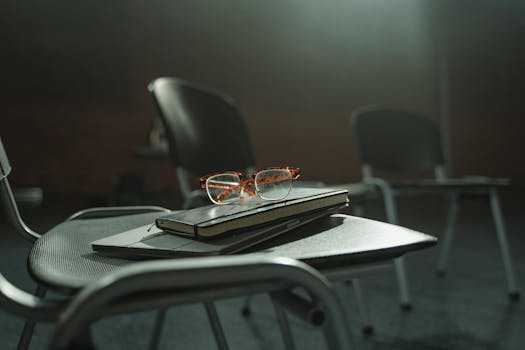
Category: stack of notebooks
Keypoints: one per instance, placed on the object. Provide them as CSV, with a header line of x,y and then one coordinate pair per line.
x,y
223,229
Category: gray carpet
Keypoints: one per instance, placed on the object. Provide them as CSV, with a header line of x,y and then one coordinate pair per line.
x,y
468,309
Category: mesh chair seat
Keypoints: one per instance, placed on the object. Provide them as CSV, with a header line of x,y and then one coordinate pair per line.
x,y
62,259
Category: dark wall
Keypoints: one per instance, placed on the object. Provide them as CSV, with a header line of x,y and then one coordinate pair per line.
x,y
74,103
486,55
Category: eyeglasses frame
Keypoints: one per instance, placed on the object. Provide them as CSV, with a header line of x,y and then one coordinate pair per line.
x,y
294,172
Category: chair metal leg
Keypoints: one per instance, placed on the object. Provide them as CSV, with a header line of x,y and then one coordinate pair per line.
x,y
402,280
448,235
503,244
29,325
216,325
390,206
282,319
336,329
358,210
157,329
391,214
366,324
284,325
335,326
246,309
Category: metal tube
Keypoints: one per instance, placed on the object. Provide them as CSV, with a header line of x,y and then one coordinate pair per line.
x,y
307,310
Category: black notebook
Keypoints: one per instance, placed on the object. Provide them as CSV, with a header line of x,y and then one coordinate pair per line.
x,y
213,220
150,241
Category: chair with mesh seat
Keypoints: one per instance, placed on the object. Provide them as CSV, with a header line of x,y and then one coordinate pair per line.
x,y
401,145
62,260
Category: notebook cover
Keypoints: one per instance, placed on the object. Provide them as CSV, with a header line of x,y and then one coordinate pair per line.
x,y
213,220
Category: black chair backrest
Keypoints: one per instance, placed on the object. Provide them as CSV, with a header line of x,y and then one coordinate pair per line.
x,y
396,141
205,131
5,167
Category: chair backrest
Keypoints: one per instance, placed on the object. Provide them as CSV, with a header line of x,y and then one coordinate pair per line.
x,y
396,141
206,132
8,199
5,167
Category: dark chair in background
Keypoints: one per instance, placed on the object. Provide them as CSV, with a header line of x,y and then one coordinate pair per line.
x,y
397,142
206,133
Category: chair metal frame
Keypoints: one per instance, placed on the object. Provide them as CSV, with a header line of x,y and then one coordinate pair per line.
x,y
154,284
27,233
453,188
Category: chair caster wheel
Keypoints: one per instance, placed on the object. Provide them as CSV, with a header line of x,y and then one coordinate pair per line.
x,y
368,330
514,296
406,307
246,312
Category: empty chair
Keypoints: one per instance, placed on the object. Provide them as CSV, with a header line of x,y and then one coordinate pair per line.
x,y
206,133
62,259
397,142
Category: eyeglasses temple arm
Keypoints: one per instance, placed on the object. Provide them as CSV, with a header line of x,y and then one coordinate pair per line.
x,y
244,185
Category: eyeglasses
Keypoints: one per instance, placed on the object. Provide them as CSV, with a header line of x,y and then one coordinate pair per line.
x,y
269,184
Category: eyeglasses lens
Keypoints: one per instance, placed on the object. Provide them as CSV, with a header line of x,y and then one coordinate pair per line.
x,y
223,188
273,184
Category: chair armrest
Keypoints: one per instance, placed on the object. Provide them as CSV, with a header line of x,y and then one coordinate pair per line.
x,y
26,305
102,212
183,280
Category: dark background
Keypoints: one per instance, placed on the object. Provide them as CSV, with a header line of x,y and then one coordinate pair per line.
x,y
74,104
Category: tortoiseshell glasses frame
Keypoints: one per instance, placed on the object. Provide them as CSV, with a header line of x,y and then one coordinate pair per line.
x,y
269,184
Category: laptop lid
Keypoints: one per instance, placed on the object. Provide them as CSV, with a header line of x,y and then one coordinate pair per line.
x,y
150,241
